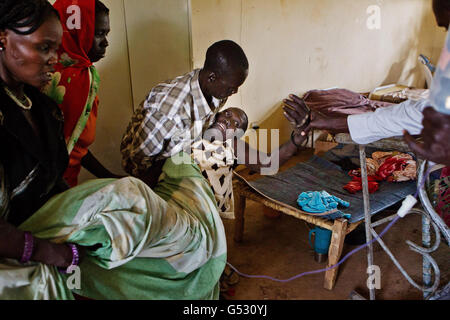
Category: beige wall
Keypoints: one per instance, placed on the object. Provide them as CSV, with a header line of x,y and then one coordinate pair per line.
x,y
297,45
159,42
149,42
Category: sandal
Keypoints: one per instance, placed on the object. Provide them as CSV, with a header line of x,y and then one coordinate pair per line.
x,y
230,276
228,279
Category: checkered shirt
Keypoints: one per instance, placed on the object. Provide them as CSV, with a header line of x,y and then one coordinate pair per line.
x,y
172,116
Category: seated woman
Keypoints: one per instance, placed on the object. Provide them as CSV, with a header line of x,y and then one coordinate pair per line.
x,y
75,84
128,241
221,150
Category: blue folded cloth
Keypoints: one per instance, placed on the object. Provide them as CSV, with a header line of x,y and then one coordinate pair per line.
x,y
320,202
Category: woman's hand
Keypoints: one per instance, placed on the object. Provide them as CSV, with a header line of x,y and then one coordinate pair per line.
x,y
300,139
297,113
12,242
58,255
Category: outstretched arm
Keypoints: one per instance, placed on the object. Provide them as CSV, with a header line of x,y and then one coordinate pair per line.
x,y
317,120
370,126
257,161
90,163
299,117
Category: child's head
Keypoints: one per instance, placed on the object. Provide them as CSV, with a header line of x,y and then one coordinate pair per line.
x,y
230,122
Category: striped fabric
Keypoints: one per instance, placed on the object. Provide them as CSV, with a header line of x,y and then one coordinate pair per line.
x,y
160,244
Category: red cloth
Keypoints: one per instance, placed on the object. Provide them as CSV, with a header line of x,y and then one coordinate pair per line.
x,y
384,172
76,44
356,184
340,102
389,166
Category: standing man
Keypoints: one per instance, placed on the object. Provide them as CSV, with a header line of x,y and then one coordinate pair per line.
x,y
174,114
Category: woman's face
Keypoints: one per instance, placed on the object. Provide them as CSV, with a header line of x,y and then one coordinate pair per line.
x,y
30,58
228,121
100,42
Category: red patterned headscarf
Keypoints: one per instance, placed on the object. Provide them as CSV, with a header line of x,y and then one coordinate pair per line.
x,y
75,83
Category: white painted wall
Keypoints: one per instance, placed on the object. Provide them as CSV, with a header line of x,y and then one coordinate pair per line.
x,y
149,42
159,42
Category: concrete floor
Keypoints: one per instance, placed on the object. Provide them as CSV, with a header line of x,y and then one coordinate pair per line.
x,y
279,248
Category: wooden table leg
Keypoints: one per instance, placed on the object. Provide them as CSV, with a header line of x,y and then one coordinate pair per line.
x,y
239,209
335,251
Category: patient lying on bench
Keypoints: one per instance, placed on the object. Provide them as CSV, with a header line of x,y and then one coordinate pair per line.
x,y
216,158
221,150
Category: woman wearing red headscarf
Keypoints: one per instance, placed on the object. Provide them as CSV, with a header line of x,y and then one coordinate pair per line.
x,y
75,83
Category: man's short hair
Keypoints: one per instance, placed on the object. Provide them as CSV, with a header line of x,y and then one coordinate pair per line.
x,y
225,56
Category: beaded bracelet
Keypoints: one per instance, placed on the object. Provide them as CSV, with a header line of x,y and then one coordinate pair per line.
x,y
75,255
28,248
75,258
293,141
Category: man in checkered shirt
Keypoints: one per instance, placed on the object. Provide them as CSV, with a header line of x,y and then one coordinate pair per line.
x,y
175,113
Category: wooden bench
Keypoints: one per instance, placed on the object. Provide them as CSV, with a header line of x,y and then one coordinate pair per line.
x,y
340,227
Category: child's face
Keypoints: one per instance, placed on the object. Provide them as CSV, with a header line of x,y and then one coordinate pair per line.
x,y
228,121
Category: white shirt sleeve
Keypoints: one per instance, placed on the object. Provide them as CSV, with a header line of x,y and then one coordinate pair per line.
x,y
387,122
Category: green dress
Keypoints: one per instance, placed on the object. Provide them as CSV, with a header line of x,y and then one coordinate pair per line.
x,y
166,243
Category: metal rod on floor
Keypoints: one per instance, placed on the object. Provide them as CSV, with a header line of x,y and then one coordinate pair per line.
x,y
384,220
426,242
367,218
432,287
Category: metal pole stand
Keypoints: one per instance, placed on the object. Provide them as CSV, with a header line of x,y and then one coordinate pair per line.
x,y
429,218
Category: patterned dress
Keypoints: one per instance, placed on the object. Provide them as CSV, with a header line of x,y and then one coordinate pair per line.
x,y
216,160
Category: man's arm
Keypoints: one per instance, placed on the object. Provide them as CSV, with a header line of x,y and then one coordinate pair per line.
x,y
151,175
370,126
271,161
144,141
299,116
387,122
